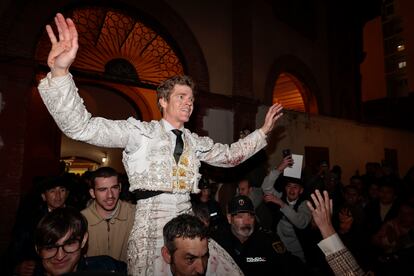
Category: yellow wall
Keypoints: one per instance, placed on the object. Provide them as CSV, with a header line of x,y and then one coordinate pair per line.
x,y
350,144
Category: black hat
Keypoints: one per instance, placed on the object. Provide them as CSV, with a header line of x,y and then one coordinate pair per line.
x,y
240,204
288,179
203,183
54,181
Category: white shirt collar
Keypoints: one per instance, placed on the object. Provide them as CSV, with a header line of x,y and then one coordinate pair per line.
x,y
168,126
291,202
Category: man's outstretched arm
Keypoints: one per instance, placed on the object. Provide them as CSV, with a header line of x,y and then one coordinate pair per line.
x,y
339,258
60,95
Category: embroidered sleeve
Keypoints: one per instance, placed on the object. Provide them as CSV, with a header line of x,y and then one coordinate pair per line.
x,y
61,98
221,155
343,263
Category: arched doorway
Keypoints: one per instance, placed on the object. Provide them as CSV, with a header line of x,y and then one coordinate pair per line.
x,y
293,94
292,83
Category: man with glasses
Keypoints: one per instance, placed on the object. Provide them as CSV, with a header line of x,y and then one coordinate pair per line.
x,y
60,238
51,192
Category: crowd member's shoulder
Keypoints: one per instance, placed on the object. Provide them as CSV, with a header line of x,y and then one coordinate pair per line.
x,y
288,264
271,238
95,273
128,205
221,233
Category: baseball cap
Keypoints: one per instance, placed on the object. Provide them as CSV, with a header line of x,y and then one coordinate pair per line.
x,y
240,204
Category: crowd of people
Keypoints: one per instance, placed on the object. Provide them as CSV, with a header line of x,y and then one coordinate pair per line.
x,y
83,223
372,217
164,218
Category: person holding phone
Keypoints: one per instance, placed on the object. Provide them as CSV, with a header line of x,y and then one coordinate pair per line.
x,y
295,216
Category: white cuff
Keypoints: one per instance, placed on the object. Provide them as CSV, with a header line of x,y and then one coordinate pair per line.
x,y
331,244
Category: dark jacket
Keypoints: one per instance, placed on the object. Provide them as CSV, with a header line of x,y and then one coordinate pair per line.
x,y
261,254
92,264
22,246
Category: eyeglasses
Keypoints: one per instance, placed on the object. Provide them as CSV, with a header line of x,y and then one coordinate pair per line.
x,y
50,251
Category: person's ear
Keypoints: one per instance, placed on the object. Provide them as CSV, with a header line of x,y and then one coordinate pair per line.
x,y
43,196
229,218
92,193
163,103
84,240
166,254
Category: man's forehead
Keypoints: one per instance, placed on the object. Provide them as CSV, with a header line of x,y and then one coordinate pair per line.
x,y
195,247
243,214
181,88
56,188
66,237
291,184
243,182
111,180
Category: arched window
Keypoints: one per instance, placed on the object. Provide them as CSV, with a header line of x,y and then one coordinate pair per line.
x,y
293,94
114,45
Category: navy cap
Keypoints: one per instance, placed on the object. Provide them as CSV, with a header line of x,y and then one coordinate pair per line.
x,y
240,204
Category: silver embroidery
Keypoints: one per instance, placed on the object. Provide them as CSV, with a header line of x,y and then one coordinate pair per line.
x,y
150,165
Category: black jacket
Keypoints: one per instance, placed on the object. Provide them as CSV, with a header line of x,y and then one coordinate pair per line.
x,y
261,254
98,265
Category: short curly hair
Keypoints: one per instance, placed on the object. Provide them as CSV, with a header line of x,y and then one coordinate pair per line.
x,y
183,226
165,88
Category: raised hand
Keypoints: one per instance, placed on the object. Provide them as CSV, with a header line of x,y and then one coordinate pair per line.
x,y
273,114
286,162
64,49
322,212
274,199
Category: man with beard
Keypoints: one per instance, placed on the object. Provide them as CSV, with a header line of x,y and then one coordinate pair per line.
x,y
256,252
109,219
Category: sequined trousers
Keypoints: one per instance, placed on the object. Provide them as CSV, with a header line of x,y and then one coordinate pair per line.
x,y
146,239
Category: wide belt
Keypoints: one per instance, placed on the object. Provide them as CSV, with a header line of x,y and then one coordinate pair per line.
x,y
142,194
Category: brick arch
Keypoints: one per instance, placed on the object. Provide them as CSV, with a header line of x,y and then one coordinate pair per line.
x,y
21,29
294,66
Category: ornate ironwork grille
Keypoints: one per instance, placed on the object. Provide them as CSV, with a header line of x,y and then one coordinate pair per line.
x,y
118,46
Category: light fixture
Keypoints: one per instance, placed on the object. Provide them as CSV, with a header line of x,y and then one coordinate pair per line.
x,y
105,158
402,64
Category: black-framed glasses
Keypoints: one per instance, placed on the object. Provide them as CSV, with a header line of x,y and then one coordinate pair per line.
x,y
50,251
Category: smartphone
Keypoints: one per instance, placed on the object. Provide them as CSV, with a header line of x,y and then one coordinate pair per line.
x,y
286,152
